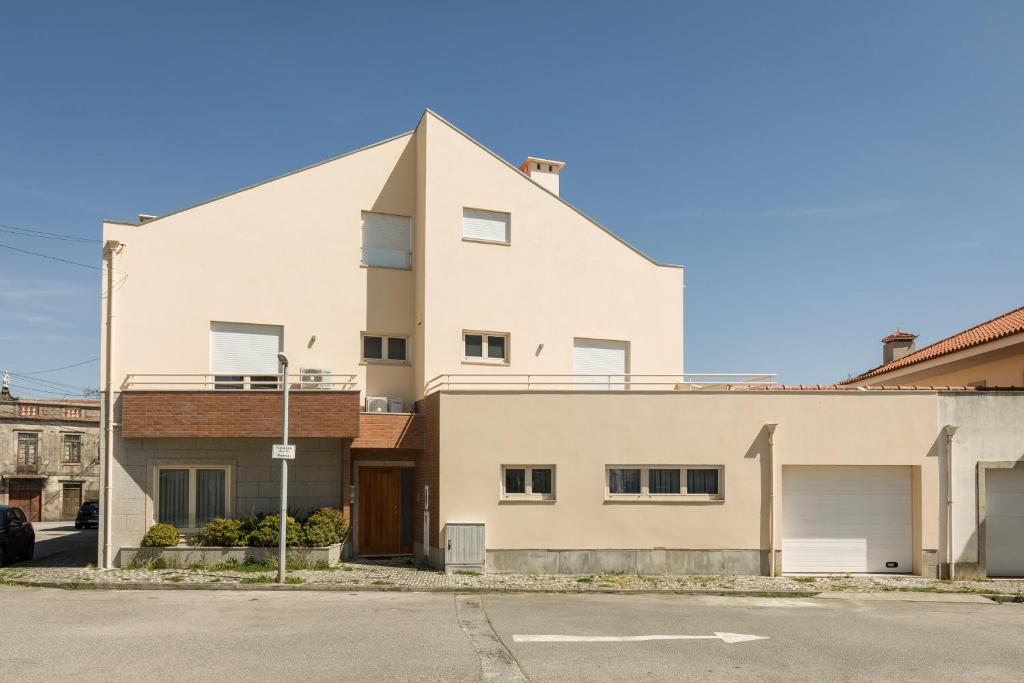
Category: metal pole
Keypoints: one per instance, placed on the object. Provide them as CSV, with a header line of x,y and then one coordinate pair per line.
x,y
281,558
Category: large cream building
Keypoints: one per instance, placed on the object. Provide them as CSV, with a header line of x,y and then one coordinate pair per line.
x,y
483,376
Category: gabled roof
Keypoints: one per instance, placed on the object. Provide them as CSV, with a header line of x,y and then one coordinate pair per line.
x,y
990,330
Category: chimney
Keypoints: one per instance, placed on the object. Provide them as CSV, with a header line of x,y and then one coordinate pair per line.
x,y
897,345
543,171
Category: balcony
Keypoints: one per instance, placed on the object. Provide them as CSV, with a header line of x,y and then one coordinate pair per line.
x,y
223,406
598,382
27,468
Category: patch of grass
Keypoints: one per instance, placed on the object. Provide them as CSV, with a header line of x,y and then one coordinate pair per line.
x,y
467,572
804,579
174,579
249,565
256,579
381,582
294,580
585,579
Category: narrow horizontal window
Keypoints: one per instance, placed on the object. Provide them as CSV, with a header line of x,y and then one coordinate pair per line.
x,y
526,482
387,240
486,226
664,483
486,346
385,348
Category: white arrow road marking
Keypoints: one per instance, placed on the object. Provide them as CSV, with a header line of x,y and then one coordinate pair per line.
x,y
724,637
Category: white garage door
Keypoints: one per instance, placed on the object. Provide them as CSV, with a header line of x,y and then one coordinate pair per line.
x,y
846,519
1004,522
609,359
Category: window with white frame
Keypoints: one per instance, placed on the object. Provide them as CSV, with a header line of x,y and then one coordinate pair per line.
x,y
485,226
189,496
489,347
528,482
385,348
387,240
664,482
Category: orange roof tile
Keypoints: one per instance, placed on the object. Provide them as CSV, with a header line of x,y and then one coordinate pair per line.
x,y
990,330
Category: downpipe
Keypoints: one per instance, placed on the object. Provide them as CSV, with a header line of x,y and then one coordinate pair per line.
x,y
110,248
949,431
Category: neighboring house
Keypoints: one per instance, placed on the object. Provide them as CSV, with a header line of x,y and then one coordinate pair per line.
x,y
483,376
989,354
49,455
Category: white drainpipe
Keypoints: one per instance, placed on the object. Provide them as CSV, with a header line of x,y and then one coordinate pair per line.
x,y
771,497
110,248
949,430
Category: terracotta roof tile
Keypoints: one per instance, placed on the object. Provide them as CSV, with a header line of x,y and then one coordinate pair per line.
x,y
990,330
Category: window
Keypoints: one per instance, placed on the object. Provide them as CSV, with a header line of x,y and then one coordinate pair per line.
x,y
485,226
244,356
28,452
72,451
387,240
527,482
385,348
188,497
491,347
28,411
664,482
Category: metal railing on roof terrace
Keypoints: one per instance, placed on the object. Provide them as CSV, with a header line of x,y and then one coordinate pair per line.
x,y
596,382
307,381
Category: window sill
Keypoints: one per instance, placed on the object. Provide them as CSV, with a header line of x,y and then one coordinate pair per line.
x,y
398,363
531,501
491,363
477,240
367,265
662,500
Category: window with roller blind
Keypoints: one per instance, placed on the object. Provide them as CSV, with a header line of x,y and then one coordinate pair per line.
x,y
244,356
479,225
387,240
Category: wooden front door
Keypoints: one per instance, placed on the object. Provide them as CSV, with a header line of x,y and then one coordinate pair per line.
x,y
385,504
71,500
26,494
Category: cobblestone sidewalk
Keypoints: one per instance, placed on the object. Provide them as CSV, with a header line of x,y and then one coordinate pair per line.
x,y
405,575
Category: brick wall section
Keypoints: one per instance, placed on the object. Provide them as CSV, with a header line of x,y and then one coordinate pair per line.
x,y
384,430
323,414
428,471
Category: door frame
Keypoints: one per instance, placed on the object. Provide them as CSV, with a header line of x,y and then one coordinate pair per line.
x,y
354,503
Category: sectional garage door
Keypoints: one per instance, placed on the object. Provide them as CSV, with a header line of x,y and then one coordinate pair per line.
x,y
846,519
1004,522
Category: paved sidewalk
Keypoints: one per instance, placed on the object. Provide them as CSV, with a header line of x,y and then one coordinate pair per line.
x,y
397,575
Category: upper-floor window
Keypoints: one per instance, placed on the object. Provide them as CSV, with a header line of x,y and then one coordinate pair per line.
x,y
244,356
72,448
485,226
28,411
385,348
387,240
28,452
489,347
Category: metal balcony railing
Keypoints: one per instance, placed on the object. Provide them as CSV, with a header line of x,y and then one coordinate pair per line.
x,y
309,381
596,382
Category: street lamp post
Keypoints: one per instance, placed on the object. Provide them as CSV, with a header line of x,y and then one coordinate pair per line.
x,y
282,541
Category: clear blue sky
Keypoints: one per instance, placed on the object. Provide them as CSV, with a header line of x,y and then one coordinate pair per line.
x,y
827,172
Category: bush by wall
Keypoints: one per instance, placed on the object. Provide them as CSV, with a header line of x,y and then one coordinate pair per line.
x,y
227,532
161,536
325,527
267,534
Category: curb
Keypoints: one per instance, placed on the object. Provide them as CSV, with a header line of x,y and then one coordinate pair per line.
x,y
342,588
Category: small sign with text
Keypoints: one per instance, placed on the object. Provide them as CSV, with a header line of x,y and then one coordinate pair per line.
x,y
283,452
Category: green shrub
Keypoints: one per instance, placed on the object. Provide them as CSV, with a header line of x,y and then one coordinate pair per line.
x,y
266,534
226,532
161,536
324,527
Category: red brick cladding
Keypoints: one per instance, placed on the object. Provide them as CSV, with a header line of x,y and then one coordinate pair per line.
x,y
325,414
383,430
428,473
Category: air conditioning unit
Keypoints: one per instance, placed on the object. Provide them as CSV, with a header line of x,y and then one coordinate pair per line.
x,y
314,378
394,405
376,404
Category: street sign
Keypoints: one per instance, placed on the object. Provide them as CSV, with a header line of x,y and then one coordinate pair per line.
x,y
283,452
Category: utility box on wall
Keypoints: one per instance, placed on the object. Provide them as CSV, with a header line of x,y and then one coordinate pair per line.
x,y
464,547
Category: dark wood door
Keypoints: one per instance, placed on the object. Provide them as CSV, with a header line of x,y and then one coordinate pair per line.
x,y
71,500
379,510
25,494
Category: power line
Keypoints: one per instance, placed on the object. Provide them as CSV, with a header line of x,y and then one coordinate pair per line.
x,y
63,367
28,232
46,382
53,258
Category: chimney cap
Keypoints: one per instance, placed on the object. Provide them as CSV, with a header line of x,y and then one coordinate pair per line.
x,y
552,166
899,335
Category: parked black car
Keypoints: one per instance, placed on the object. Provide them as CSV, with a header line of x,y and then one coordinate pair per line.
x,y
88,515
17,536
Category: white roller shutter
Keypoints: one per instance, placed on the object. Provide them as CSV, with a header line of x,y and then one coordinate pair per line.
x,y
1004,522
602,356
387,240
485,225
242,349
848,518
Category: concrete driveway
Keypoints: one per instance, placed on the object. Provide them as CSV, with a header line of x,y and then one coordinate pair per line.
x,y
248,635
60,544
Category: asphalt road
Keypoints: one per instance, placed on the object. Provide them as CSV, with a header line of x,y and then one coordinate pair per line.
x,y
313,636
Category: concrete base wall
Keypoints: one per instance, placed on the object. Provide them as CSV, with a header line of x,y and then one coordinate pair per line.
x,y
186,556
644,562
